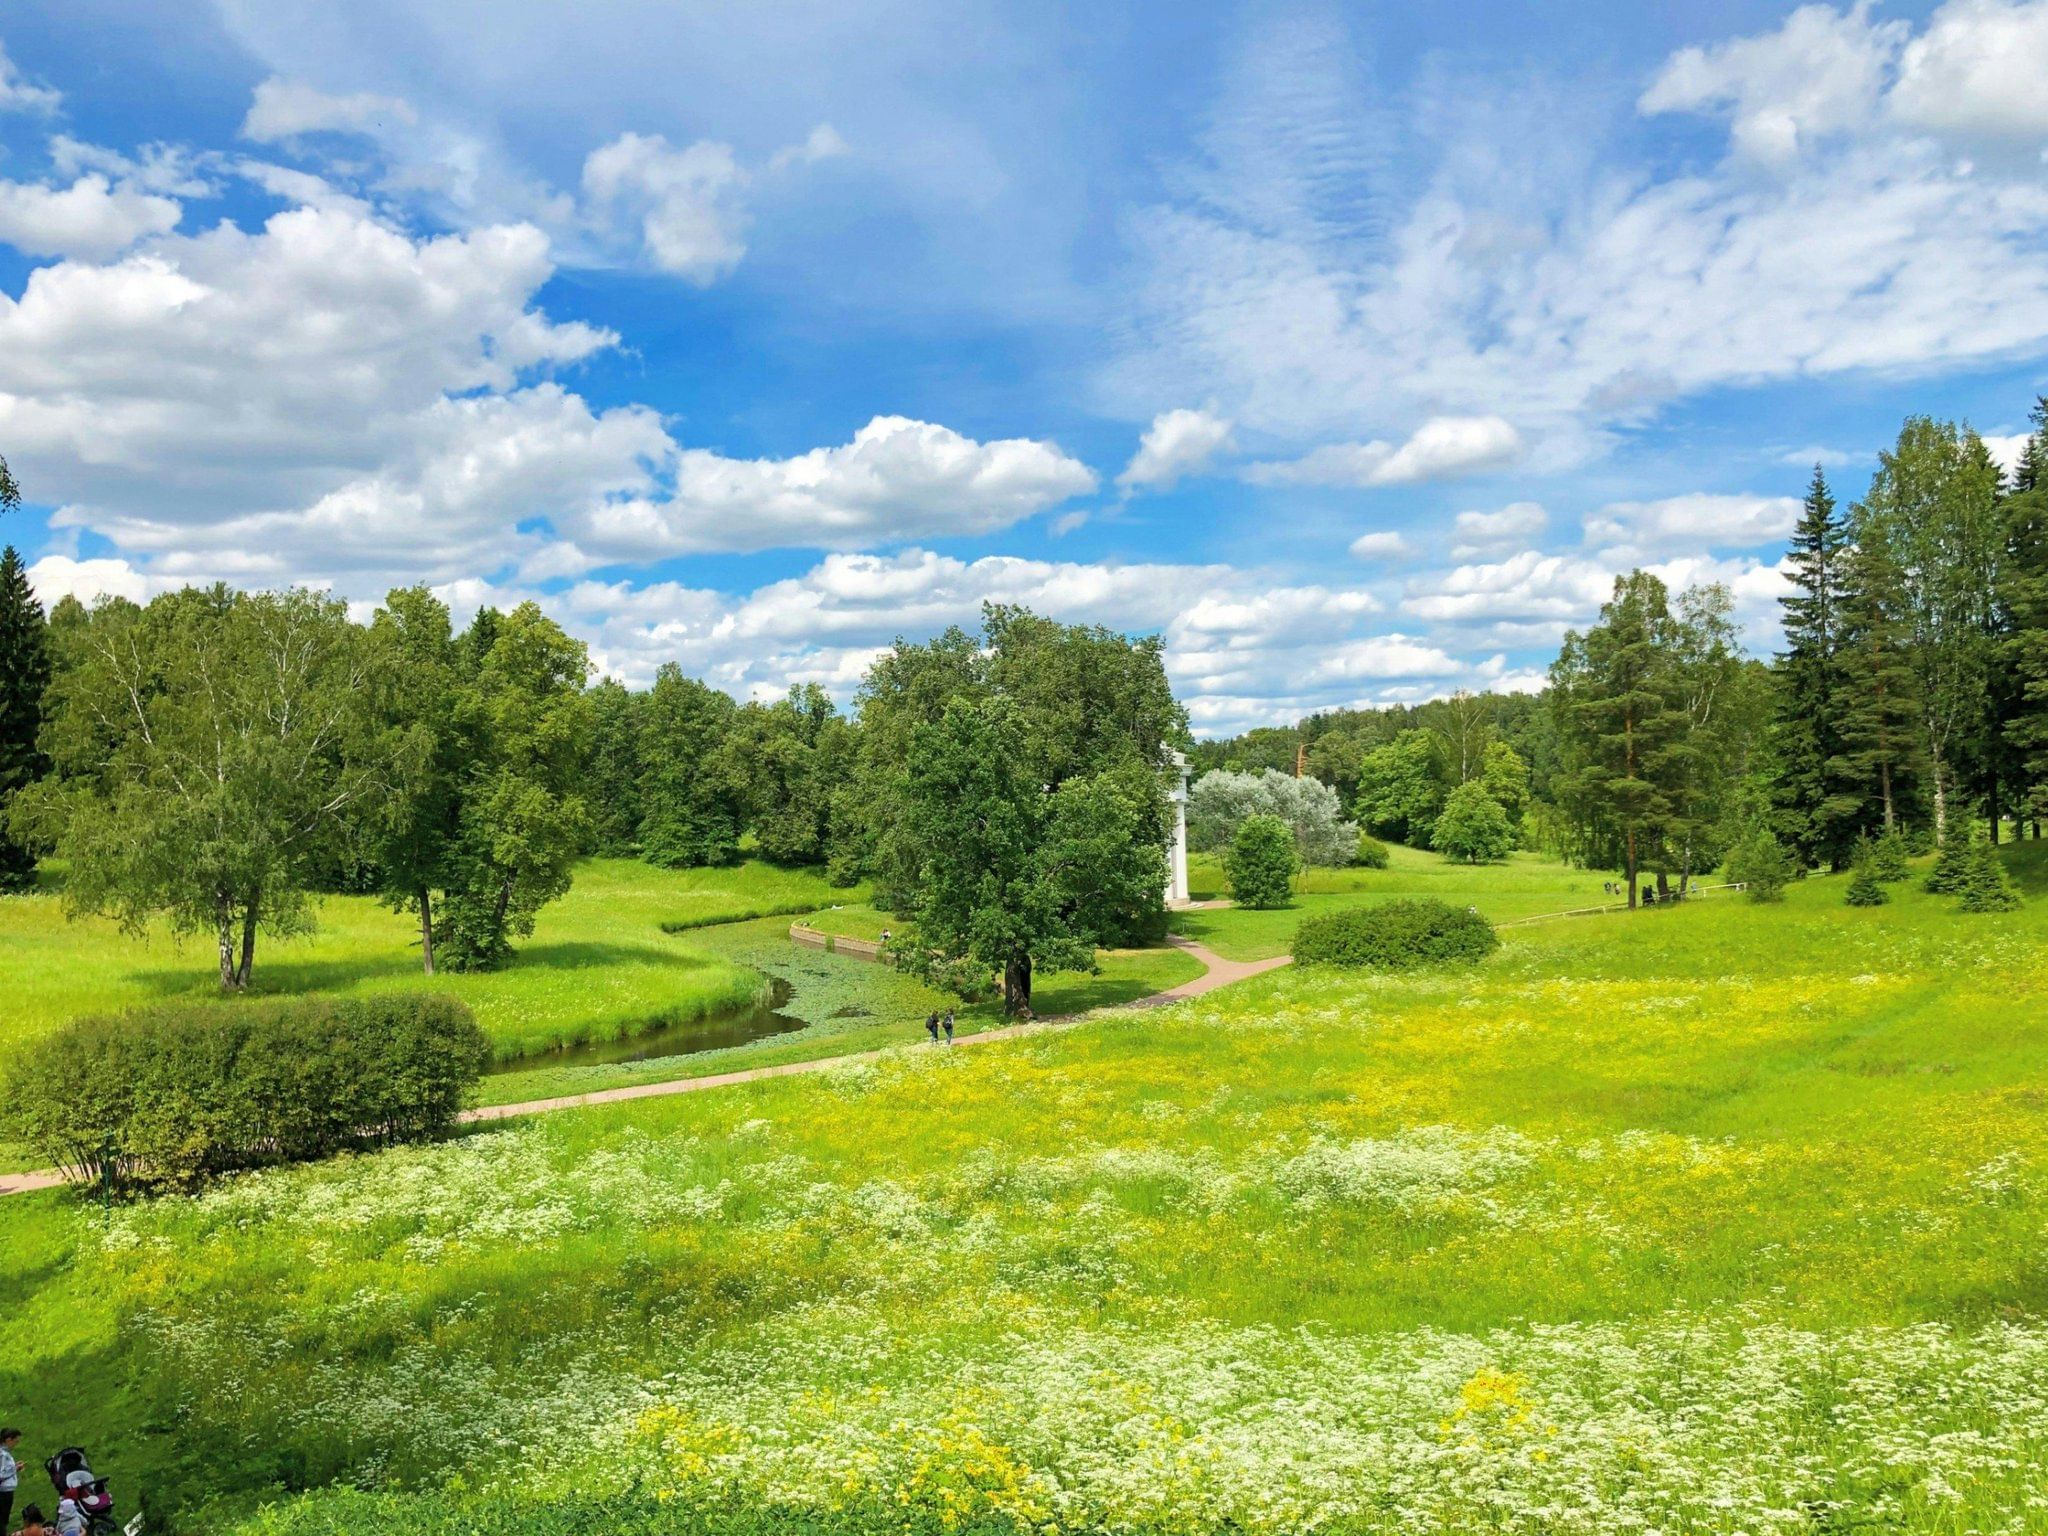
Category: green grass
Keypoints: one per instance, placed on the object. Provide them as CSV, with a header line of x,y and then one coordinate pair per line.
x,y
1718,1218
1525,886
598,965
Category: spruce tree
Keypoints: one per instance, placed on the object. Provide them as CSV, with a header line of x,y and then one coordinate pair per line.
x,y
1951,872
1888,857
1986,886
24,675
1816,796
1865,889
1879,723
2023,597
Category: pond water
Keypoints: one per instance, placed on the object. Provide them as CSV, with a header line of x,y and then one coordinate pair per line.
x,y
710,1034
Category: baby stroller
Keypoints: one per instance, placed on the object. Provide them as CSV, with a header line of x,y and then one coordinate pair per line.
x,y
71,1474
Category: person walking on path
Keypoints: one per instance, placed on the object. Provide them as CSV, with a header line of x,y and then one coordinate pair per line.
x,y
10,1474
931,1026
948,1024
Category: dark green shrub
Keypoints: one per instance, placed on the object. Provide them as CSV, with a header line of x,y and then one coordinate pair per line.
x,y
1371,854
182,1092
1396,936
1261,862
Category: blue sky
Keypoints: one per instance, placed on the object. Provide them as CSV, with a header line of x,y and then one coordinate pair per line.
x,y
1352,348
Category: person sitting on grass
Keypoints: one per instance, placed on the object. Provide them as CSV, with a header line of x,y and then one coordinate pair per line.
x,y
33,1523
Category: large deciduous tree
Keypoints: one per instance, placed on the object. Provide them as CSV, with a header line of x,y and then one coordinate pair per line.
x,y
792,758
1932,510
1010,794
417,678
692,800
207,745
523,732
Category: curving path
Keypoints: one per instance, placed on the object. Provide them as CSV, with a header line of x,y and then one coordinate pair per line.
x,y
1219,972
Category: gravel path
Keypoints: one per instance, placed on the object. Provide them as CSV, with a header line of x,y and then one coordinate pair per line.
x,y
1219,973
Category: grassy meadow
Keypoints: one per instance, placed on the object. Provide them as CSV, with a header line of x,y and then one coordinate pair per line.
x,y
1525,886
1712,1219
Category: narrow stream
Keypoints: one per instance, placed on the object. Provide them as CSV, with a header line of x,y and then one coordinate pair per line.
x,y
709,1034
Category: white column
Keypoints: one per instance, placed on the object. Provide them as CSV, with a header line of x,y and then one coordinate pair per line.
x,y
1177,855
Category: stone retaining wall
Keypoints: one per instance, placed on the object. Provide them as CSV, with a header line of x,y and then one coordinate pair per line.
x,y
837,944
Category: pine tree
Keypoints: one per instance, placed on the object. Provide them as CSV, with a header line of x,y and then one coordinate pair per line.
x,y
1865,889
1986,886
24,675
1879,722
1816,795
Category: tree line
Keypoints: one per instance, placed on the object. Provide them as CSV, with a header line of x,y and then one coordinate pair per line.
x,y
216,759
1910,697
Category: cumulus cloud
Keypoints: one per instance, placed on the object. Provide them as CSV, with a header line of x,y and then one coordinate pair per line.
x,y
88,218
1441,447
1630,530
1820,73
897,479
1976,72
285,109
1382,545
687,204
168,397
56,577
1475,534
19,94
1178,443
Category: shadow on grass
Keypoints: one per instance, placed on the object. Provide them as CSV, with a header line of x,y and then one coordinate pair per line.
x,y
2028,862
279,974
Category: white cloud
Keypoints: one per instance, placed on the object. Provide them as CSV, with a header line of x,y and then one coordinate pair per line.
x,y
897,479
55,577
18,94
1977,71
1441,447
1531,598
1821,72
285,109
1382,545
1178,443
687,203
2006,448
1591,292
1630,530
218,396
1827,458
821,143
88,218
1476,534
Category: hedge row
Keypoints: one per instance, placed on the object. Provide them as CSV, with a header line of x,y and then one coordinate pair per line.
x,y
1396,936
167,1096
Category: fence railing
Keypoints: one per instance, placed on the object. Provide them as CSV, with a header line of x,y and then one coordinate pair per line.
x,y
836,944
1622,906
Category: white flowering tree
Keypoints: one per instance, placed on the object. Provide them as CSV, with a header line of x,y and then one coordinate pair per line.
x,y
1220,801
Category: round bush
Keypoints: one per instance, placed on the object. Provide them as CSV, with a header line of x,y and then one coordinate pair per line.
x,y
1396,936
1372,853
1261,862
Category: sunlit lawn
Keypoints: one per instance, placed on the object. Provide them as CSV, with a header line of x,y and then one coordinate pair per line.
x,y
1523,886
1724,1209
